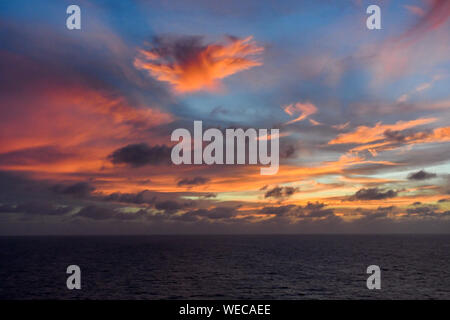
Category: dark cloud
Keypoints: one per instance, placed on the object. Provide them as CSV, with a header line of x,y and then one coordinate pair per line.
x,y
131,215
396,136
444,200
137,198
315,210
373,194
180,49
427,211
370,216
15,185
209,195
280,192
402,136
319,213
137,155
193,181
424,208
37,208
287,151
169,203
277,210
214,213
421,175
311,210
96,213
105,213
171,206
79,189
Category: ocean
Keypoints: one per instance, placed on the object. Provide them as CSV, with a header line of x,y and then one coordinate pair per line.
x,y
226,267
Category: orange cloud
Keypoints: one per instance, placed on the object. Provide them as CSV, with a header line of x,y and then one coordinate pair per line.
x,y
364,134
72,116
399,139
437,135
305,109
190,66
70,129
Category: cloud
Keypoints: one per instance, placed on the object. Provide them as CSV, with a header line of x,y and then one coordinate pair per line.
x,y
415,10
304,109
171,206
280,192
37,208
166,203
368,217
213,214
396,136
427,211
393,139
30,156
78,189
430,19
430,136
364,134
138,155
417,50
287,151
189,65
209,195
95,212
312,210
418,89
98,112
373,194
94,101
277,210
136,198
341,126
193,181
169,203
437,135
421,175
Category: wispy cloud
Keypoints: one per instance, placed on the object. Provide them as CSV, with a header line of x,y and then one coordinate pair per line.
x,y
434,16
364,134
422,87
415,10
300,110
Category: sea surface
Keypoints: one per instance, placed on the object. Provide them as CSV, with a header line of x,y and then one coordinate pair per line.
x,y
226,267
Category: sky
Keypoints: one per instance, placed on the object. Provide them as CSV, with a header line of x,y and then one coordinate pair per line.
x,y
86,116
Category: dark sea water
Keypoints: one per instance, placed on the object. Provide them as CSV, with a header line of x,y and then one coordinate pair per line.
x,y
226,267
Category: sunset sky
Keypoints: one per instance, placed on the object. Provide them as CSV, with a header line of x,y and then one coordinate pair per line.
x,y
86,116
